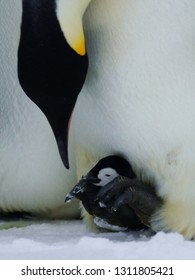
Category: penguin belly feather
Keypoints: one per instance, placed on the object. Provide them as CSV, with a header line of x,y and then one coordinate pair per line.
x,y
138,99
32,176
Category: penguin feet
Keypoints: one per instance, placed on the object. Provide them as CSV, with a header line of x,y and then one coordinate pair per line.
x,y
130,193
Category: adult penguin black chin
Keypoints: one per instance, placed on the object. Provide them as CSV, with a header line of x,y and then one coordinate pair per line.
x,y
52,61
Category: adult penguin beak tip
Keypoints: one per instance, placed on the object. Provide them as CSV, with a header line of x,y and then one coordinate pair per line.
x,y
63,150
66,163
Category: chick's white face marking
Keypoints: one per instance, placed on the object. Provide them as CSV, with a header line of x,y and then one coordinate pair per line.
x,y
106,175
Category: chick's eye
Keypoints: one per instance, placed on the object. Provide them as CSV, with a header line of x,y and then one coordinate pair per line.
x,y
107,175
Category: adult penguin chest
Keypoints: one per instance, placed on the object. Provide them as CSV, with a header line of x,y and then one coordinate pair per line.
x,y
140,83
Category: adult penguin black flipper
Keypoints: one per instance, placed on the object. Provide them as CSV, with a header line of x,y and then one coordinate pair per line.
x,y
52,61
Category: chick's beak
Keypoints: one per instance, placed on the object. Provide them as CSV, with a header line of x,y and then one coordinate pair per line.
x,y
78,189
81,187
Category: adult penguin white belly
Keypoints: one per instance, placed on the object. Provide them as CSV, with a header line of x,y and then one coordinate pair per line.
x,y
32,176
139,99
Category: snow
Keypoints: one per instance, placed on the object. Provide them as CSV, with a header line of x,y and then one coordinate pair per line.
x,y
71,240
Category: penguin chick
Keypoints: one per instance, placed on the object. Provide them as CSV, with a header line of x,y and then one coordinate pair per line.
x,y
105,192
104,172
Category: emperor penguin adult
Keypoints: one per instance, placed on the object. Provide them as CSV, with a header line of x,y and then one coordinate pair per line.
x,y
33,178
138,99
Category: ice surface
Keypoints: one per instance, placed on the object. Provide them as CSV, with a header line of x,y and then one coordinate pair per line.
x,y
71,240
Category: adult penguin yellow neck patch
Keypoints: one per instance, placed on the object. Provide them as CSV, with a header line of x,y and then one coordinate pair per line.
x,y
69,15
79,46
